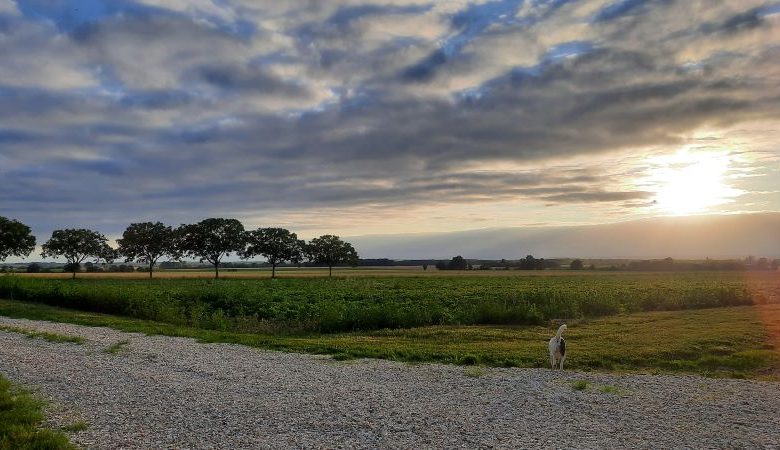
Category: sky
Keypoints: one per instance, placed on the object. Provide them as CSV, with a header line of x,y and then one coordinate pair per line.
x,y
356,117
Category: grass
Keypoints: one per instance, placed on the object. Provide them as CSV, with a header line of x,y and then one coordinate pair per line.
x,y
474,372
363,303
717,342
611,390
51,337
580,385
21,416
117,347
75,427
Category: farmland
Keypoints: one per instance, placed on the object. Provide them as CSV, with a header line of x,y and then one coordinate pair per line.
x,y
710,323
372,303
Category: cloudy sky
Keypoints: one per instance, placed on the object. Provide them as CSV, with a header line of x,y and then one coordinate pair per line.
x,y
361,116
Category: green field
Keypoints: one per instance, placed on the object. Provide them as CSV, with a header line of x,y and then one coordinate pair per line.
x,y
374,303
734,342
708,323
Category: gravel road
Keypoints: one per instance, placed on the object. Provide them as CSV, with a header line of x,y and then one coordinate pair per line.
x,y
163,392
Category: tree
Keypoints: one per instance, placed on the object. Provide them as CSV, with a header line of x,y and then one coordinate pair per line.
x,y
76,245
331,250
34,268
458,263
106,254
275,244
300,255
211,240
16,239
576,265
146,242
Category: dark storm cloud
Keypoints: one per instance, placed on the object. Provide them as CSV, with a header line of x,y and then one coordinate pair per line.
x,y
142,111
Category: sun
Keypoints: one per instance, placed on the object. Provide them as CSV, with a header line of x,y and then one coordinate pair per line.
x,y
691,182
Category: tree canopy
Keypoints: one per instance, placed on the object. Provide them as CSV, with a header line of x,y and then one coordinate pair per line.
x,y
146,242
331,250
456,263
76,245
275,244
16,239
211,240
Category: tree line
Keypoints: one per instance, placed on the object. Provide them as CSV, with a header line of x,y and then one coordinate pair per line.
x,y
210,240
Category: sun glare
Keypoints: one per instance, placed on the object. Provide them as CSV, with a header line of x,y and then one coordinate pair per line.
x,y
690,182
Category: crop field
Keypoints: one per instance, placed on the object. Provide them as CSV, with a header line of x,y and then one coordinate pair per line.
x,y
725,323
372,303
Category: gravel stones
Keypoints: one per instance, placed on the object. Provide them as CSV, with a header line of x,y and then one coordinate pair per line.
x,y
164,392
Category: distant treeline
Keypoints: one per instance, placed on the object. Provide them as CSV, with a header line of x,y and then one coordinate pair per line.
x,y
456,263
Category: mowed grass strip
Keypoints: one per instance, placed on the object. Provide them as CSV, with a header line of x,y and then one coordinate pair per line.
x,y
730,342
21,416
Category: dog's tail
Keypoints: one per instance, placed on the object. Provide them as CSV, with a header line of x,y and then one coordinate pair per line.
x,y
561,329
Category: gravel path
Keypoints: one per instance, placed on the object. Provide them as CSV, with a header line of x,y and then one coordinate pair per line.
x,y
162,392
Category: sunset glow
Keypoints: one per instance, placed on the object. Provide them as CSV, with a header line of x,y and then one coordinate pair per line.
x,y
691,182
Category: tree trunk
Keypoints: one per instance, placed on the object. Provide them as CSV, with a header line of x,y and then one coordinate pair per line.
x,y
216,270
330,271
74,274
273,270
151,268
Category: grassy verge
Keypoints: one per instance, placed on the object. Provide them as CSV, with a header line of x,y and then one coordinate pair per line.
x,y
51,337
20,422
734,342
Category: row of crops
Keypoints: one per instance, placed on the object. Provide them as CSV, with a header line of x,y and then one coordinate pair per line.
x,y
348,304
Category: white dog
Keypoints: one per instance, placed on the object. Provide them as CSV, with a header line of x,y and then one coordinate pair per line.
x,y
558,348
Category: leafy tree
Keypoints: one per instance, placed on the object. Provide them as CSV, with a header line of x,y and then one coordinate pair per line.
x,y
275,244
331,250
211,240
146,242
76,245
576,265
298,258
16,239
107,254
34,268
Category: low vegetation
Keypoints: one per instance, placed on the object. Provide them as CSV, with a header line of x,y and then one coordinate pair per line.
x,y
474,372
351,304
21,416
117,347
75,427
580,385
51,337
733,342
